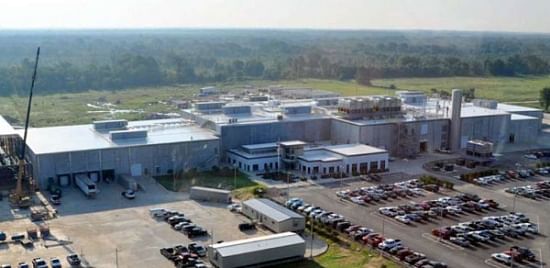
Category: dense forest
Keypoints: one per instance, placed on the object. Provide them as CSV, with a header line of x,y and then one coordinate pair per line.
x,y
73,61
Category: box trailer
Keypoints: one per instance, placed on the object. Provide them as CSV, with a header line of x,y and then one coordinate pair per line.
x,y
128,182
210,194
86,185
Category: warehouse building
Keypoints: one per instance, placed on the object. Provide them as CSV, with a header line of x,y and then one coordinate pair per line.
x,y
273,216
258,251
106,149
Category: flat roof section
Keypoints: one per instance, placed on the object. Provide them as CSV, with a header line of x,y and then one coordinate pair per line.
x,y
354,149
292,143
274,241
475,111
274,210
270,145
6,128
320,155
84,137
516,117
516,108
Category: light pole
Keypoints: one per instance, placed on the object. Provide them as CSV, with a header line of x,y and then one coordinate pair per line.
x,y
383,223
116,257
234,177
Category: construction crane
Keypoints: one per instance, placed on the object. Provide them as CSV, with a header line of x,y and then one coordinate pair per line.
x,y
21,198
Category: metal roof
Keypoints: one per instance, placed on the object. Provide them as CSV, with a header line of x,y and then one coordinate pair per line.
x,y
49,140
354,149
255,244
516,108
272,209
320,155
523,117
5,127
475,111
292,143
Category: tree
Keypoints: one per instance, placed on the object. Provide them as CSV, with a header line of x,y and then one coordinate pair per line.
x,y
545,98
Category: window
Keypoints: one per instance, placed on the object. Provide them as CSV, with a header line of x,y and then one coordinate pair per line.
x,y
157,169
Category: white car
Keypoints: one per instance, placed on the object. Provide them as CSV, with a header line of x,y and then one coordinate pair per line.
x,y
389,244
403,219
502,257
530,156
417,191
358,200
529,227
453,209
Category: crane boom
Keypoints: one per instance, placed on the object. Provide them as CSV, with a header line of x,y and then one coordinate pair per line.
x,y
19,198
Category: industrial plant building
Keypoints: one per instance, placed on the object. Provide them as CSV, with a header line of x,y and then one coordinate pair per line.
x,y
258,252
108,148
273,216
319,136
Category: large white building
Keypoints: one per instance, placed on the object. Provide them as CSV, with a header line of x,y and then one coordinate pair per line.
x,y
349,159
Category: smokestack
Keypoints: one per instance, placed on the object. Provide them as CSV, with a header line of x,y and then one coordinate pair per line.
x,y
456,105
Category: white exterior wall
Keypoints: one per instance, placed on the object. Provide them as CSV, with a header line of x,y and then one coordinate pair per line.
x,y
247,165
345,165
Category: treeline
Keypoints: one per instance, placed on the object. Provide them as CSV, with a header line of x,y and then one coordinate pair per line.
x,y
77,61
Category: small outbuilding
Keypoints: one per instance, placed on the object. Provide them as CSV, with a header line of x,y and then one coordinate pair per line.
x,y
258,251
273,216
210,194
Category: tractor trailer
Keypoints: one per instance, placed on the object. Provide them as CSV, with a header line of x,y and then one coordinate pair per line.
x,y
86,185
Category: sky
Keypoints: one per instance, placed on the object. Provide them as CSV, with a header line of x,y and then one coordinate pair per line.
x,y
461,15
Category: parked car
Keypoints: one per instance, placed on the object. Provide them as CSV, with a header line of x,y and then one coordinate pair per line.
x,y
247,226
73,260
461,241
55,200
55,263
129,194
39,263
197,231
23,265
502,257
200,250
389,243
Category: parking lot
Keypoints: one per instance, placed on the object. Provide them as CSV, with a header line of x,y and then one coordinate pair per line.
x,y
417,235
111,229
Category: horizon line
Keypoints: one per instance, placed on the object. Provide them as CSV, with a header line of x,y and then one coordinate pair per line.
x,y
2,29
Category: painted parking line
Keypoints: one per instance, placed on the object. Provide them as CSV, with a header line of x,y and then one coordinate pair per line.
x,y
493,263
441,242
389,219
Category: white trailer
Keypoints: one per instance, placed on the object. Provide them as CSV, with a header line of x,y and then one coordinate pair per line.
x,y
86,185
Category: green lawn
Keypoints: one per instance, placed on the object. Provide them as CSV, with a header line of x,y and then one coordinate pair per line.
x,y
337,257
72,108
506,89
223,179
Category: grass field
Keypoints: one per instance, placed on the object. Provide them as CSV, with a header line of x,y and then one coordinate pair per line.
x,y
223,179
140,103
72,108
337,257
505,89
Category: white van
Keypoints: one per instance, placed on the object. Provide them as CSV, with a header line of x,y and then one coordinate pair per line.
x,y
157,212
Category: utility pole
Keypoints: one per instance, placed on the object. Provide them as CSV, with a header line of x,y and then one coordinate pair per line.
x,y
116,257
234,177
311,244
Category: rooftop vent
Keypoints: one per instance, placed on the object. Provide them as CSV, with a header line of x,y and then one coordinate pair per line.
x,y
106,125
128,134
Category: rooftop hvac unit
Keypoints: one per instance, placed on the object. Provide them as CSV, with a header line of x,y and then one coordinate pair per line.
x,y
240,109
128,134
105,125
